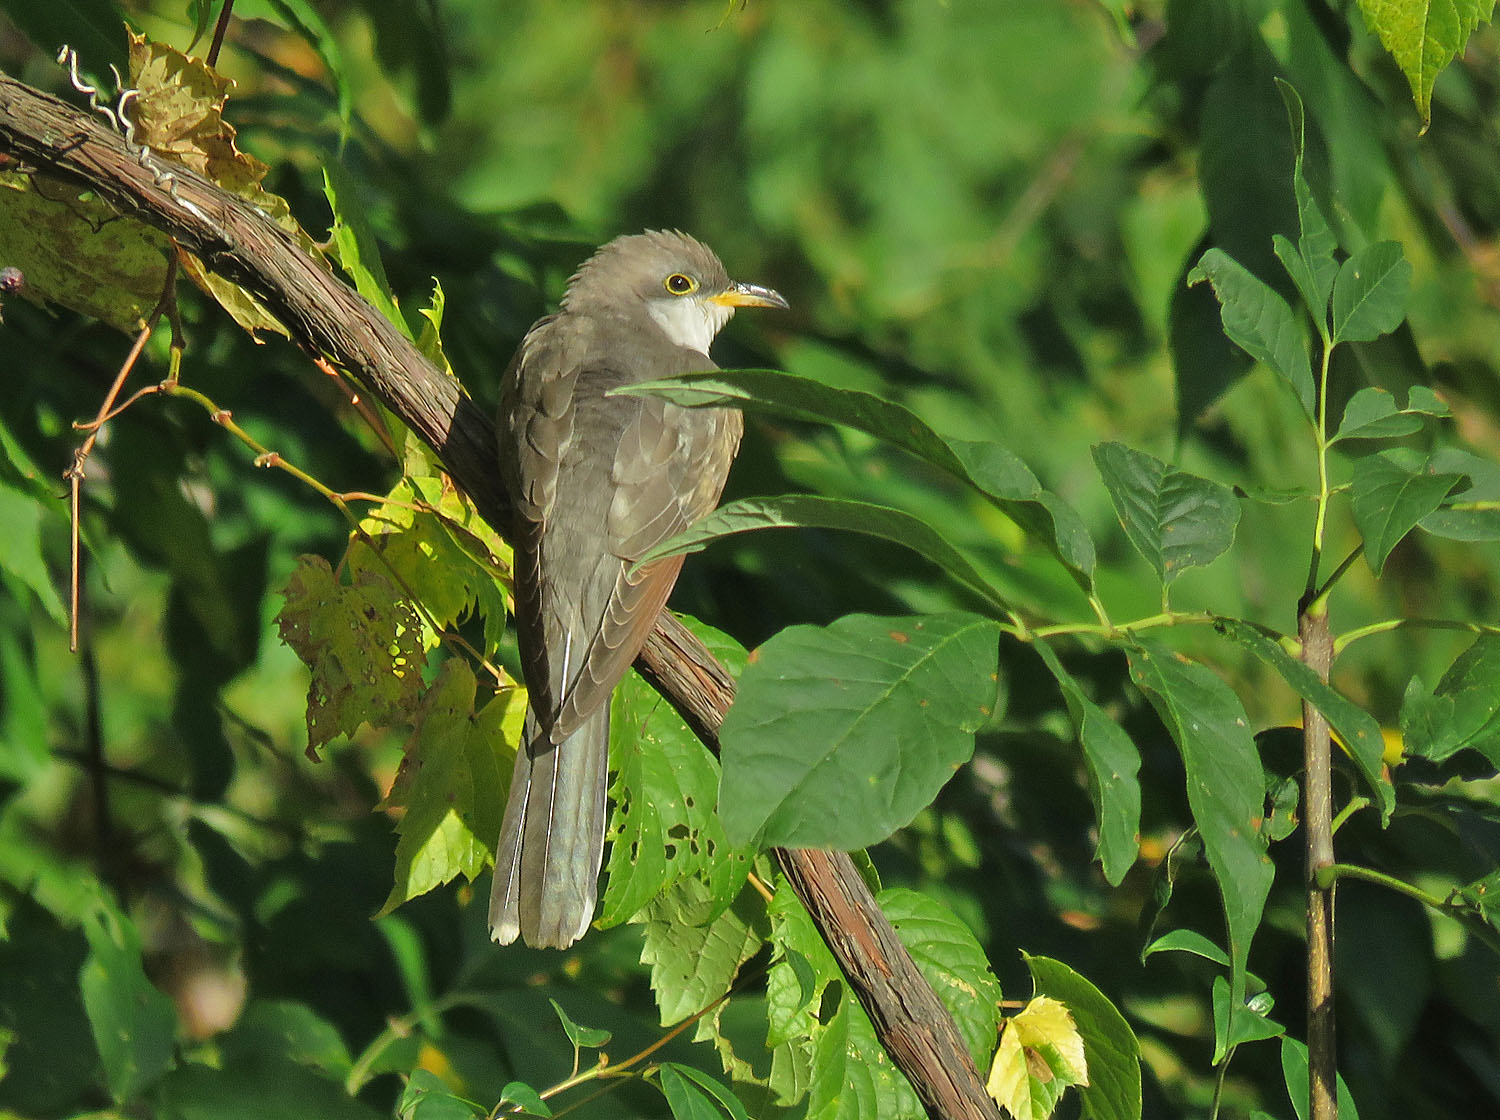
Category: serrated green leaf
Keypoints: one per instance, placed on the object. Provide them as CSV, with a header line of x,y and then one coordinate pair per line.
x,y
355,245
1359,730
1463,711
1424,36
792,511
1369,294
1225,786
692,963
1389,497
452,783
840,735
1110,1047
1175,520
990,469
1113,763
665,826
134,1024
1258,321
362,640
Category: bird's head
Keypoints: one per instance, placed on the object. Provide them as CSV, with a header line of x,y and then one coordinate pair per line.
x,y
675,278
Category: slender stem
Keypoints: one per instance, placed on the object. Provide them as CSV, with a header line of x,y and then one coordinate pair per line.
x,y
1320,524
1345,640
1111,630
220,29
1334,871
1348,562
1317,654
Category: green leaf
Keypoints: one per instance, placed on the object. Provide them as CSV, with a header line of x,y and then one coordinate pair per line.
x,y
582,1038
1235,1024
1113,763
665,826
1369,295
807,511
1295,1074
1372,413
452,783
362,640
1175,520
1110,1047
1258,320
134,1025
1310,263
1463,711
840,735
21,547
427,1097
518,1092
693,963
355,245
1390,495
1225,786
1424,36
686,1100
686,1079
1187,941
990,469
1359,730
1472,514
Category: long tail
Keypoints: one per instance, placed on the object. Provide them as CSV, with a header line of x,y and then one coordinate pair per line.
x,y
552,840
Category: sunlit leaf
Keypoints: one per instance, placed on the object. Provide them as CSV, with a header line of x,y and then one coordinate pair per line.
x,y
1424,36
1111,1051
840,735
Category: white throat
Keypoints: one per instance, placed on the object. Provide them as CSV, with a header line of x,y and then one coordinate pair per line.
x,y
690,323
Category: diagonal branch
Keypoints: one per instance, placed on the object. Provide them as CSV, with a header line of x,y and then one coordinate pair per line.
x,y
327,318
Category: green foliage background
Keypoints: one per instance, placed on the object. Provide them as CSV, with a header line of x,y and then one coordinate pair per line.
x,y
985,212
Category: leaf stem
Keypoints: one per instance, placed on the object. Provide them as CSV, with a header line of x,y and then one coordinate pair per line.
x,y
1320,524
1321,595
1343,641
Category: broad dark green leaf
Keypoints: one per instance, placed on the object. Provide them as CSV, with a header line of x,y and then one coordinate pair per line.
x,y
1110,1047
1372,413
840,735
1358,729
1258,320
1390,495
808,511
1463,711
989,468
1369,295
728,1100
1113,763
134,1024
1225,786
1175,520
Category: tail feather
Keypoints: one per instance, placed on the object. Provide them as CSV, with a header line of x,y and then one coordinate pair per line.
x,y
552,839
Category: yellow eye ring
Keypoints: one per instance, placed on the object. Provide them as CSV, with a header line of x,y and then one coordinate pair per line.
x,y
680,284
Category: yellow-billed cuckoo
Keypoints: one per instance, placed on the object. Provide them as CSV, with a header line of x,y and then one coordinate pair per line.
x,y
596,481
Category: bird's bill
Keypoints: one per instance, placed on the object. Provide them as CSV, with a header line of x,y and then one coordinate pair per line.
x,y
748,295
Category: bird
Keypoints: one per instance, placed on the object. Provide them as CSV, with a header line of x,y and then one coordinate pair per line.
x,y
595,481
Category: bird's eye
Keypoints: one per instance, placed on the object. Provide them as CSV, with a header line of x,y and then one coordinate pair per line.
x,y
680,284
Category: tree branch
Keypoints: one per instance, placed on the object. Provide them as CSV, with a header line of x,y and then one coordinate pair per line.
x,y
326,317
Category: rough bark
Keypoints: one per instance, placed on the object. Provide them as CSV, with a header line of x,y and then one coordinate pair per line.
x,y
327,318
